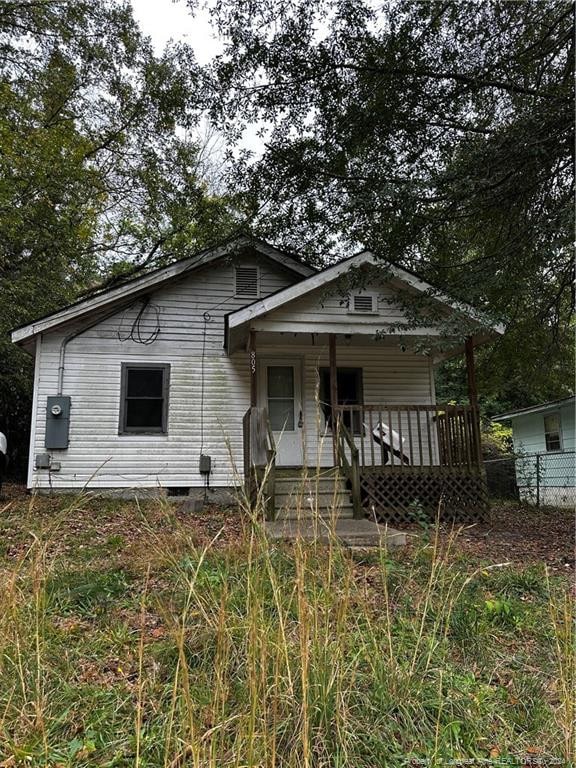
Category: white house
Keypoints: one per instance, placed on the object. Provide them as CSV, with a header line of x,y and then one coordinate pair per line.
x,y
170,380
544,441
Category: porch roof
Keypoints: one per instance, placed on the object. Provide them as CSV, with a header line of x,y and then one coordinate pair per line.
x,y
256,316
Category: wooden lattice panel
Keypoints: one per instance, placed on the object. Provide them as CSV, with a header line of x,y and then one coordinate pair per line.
x,y
404,496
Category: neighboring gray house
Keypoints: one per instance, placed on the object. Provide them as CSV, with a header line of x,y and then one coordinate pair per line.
x,y
544,439
176,378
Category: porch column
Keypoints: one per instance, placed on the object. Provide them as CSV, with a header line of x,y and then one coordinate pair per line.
x,y
333,390
471,372
253,369
473,398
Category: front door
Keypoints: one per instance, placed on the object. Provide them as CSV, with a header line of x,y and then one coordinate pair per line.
x,y
281,388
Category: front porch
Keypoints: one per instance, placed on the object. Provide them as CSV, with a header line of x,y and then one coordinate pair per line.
x,y
396,464
341,372
388,462
410,462
334,404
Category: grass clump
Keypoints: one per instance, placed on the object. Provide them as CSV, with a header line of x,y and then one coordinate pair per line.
x,y
244,653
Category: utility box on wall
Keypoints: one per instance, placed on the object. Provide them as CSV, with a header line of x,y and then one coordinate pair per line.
x,y
57,422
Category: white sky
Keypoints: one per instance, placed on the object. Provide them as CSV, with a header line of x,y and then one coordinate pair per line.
x,y
163,20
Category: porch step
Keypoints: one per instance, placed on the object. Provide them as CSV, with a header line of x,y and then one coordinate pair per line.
x,y
300,497
310,474
351,533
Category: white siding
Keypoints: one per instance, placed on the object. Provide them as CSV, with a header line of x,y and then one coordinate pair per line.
x,y
97,454
99,457
323,311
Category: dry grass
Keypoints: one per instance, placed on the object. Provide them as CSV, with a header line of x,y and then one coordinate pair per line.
x,y
134,635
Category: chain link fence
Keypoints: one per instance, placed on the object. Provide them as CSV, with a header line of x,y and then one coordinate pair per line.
x,y
542,479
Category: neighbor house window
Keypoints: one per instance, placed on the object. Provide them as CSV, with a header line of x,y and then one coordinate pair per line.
x,y
144,399
552,433
349,382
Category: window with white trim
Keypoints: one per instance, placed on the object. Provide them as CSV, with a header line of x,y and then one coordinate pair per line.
x,y
553,432
144,399
247,282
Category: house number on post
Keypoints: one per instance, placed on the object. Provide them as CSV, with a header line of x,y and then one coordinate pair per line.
x,y
252,362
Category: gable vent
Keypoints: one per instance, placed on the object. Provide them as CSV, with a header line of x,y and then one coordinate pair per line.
x,y
363,303
247,282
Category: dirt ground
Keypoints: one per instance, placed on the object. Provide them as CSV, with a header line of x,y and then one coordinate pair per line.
x,y
515,533
520,534
523,534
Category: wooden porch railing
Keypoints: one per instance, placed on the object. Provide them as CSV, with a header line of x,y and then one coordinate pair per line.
x,y
351,468
442,436
259,458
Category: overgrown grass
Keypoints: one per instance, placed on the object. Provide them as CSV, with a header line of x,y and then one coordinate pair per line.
x,y
141,646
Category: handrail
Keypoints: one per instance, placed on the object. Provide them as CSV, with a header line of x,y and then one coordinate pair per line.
x,y
351,469
259,457
270,474
269,434
247,447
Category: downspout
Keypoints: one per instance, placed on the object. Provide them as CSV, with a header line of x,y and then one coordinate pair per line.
x,y
67,339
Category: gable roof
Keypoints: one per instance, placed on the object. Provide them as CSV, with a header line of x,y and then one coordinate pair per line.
x,y
551,405
319,279
144,283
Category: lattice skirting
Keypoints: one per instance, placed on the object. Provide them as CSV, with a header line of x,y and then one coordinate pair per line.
x,y
406,496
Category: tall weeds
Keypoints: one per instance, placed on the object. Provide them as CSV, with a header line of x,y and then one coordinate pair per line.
x,y
296,655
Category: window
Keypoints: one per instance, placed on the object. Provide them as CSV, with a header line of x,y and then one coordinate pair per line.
x,y
280,388
363,303
144,399
247,282
552,433
349,382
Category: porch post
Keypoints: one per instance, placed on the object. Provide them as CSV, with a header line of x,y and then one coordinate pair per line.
x,y
333,391
253,369
473,398
471,372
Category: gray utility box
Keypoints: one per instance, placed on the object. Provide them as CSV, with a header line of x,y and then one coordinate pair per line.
x,y
57,422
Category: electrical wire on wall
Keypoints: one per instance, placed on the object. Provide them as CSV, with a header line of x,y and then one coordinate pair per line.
x,y
136,333
205,461
139,334
207,318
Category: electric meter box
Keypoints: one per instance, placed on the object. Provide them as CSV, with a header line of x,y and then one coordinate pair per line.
x,y
57,422
205,465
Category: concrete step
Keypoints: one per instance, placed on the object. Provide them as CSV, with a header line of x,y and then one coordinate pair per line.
x,y
351,533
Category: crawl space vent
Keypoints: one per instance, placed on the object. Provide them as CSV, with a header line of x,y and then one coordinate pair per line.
x,y
363,303
247,282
